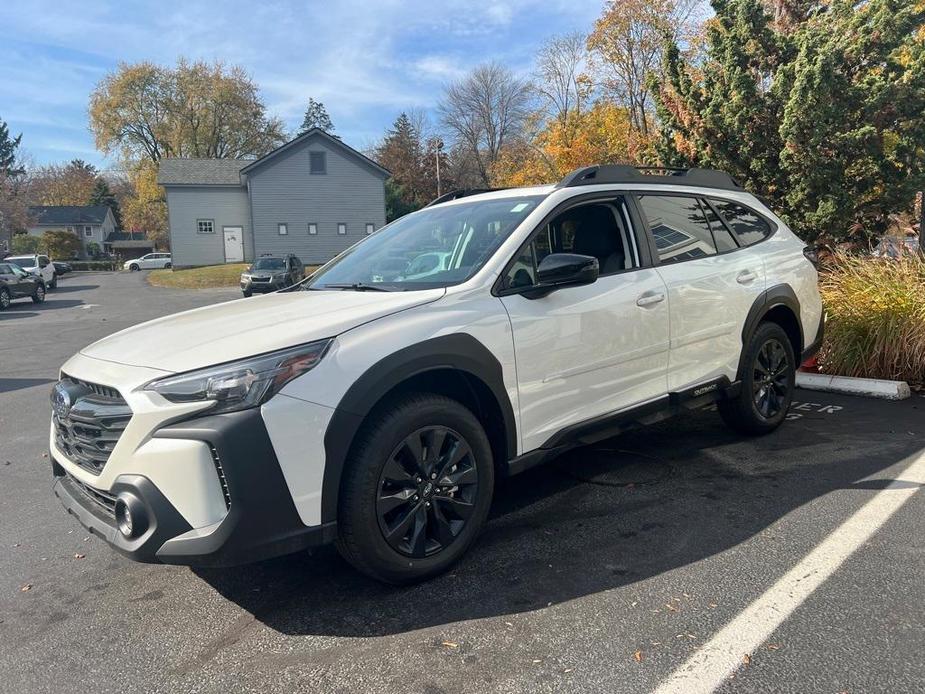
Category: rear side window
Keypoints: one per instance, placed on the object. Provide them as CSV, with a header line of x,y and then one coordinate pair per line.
x,y
746,224
679,226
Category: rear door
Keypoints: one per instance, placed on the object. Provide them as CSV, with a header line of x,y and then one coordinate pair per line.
x,y
712,283
586,351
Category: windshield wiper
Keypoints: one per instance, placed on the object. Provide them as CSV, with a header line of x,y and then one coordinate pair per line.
x,y
355,286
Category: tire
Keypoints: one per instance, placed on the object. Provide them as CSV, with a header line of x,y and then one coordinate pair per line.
x,y
167,266
767,383
54,283
133,268
380,492
38,296
247,295
5,298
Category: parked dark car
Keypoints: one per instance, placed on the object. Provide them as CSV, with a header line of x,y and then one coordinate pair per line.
x,y
270,273
16,283
61,268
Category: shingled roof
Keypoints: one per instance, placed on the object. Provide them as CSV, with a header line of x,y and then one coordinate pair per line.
x,y
193,172
68,214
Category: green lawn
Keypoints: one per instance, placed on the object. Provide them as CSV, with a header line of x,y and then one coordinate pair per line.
x,y
199,277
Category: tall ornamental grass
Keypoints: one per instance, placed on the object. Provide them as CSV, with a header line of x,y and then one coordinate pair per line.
x,y
876,317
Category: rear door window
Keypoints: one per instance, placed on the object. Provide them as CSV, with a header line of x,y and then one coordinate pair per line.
x,y
748,226
679,227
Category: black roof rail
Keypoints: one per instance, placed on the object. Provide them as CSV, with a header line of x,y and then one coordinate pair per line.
x,y
622,173
461,193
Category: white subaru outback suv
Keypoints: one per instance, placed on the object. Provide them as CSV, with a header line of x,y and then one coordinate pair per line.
x,y
375,405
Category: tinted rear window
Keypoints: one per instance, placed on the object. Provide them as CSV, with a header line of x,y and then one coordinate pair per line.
x,y
679,226
748,226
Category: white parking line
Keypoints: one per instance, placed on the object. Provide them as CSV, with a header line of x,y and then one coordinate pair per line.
x,y
712,664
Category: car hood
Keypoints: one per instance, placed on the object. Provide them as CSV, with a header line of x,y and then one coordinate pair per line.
x,y
246,327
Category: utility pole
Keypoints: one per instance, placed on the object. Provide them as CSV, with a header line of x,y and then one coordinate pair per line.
x,y
438,148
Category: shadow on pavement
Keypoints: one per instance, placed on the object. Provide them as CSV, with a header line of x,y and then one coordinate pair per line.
x,y
65,288
596,519
8,385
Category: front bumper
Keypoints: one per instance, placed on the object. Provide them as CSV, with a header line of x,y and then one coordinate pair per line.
x,y
274,285
261,519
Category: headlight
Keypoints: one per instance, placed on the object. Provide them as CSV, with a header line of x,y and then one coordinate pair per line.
x,y
242,384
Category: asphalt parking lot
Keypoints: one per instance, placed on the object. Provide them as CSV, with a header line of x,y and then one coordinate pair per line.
x,y
647,560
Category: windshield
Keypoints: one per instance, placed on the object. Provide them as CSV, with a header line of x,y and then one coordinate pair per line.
x,y
434,247
269,264
27,261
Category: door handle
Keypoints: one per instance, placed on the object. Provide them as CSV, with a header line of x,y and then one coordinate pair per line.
x,y
650,298
746,276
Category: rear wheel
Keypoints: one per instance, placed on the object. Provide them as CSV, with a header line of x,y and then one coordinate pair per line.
x,y
38,296
416,490
167,266
54,283
5,298
767,383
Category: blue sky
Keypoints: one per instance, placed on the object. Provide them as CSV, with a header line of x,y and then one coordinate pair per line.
x,y
366,61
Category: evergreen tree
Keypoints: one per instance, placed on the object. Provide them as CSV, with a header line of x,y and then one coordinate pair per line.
x,y
401,152
103,195
9,146
825,116
316,116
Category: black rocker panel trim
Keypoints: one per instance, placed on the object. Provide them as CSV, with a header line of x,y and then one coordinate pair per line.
x,y
458,351
778,295
262,520
612,424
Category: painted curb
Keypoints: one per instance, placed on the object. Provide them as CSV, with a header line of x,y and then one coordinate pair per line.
x,y
868,387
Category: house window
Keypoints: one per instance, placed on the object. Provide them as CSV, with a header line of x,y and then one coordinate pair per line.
x,y
318,162
312,228
370,228
88,231
283,228
341,228
205,226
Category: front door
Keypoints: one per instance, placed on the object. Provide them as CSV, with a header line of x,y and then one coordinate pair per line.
x,y
234,244
585,351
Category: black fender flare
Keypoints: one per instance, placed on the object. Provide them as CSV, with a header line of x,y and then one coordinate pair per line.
x,y
778,295
459,351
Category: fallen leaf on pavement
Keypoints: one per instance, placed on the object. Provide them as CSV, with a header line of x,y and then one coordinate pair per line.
x,y
637,656
26,587
712,604
450,644
747,659
773,646
79,556
537,660
671,607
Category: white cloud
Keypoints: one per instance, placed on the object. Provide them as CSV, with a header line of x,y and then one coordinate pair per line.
x,y
365,60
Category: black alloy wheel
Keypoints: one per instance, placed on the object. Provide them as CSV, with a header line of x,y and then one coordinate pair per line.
x,y
427,491
5,298
771,381
39,295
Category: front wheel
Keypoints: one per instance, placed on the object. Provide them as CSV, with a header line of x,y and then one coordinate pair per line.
x,y
38,296
54,283
134,267
416,489
247,294
768,381
5,298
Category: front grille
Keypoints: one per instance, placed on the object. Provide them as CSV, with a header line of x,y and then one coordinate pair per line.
x,y
88,430
104,501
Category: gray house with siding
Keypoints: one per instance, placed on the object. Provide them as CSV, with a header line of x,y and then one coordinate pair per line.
x,y
91,224
313,196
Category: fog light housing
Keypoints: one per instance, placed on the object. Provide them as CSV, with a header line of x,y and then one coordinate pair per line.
x,y
131,518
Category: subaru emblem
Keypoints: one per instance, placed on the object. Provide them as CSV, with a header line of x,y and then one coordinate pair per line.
x,y
61,401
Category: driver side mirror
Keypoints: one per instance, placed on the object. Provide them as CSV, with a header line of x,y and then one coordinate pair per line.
x,y
560,270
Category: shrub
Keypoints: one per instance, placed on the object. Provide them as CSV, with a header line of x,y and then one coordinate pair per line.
x,y
94,265
25,244
875,317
